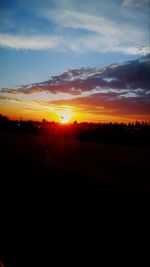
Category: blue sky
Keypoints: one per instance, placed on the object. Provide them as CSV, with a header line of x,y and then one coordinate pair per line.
x,y
43,38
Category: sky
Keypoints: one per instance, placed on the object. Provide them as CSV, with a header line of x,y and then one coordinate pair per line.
x,y
40,39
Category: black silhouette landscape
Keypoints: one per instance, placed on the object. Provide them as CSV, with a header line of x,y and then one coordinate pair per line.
x,y
74,161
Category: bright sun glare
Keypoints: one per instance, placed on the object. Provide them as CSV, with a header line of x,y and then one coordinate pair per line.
x,y
65,114
65,118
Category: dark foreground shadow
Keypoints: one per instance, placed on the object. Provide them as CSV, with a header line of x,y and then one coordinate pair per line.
x,y
30,181
29,190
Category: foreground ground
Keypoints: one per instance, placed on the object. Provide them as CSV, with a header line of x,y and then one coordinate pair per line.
x,y
62,168
37,171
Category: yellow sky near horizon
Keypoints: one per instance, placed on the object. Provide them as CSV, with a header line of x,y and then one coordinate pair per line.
x,y
28,110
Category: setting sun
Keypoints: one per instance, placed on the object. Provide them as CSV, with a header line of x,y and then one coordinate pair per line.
x,y
65,114
65,118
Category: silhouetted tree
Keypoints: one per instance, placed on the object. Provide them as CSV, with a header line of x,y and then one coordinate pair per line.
x,y
3,118
75,122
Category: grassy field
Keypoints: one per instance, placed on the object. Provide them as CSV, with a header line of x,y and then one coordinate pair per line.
x,y
64,168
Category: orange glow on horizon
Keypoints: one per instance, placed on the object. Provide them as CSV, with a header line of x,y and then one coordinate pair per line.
x,y
64,113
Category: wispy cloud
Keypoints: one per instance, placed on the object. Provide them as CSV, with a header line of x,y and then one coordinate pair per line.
x,y
10,98
84,44
92,23
29,42
128,3
105,44
101,34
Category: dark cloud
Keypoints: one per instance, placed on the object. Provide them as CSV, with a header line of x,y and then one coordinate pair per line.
x,y
130,76
3,97
108,103
116,89
68,88
9,98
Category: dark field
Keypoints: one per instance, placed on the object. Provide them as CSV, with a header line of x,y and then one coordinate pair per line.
x,y
49,167
40,169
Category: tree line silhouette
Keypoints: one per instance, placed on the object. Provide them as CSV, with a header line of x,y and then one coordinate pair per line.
x,y
131,134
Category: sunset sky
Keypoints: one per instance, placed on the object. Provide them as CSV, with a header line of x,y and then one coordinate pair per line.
x,y
55,58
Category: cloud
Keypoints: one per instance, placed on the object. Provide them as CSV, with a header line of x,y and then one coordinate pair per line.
x,y
128,3
101,34
115,89
29,42
84,44
70,88
92,23
128,80
78,26
9,98
104,44
106,104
